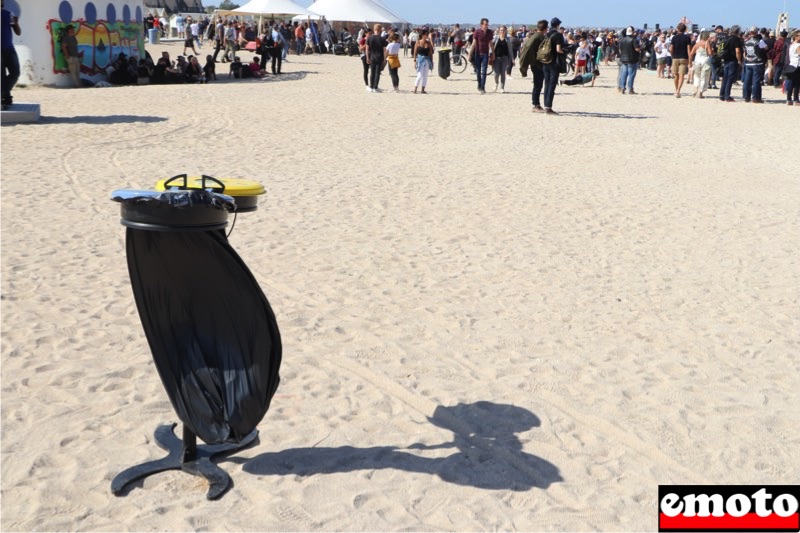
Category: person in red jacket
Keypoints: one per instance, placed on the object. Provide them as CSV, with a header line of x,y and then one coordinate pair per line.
x,y
778,57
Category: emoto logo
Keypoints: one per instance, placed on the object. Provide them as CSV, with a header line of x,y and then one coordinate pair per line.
x,y
728,508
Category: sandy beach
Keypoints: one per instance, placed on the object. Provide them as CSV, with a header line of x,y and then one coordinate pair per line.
x,y
491,319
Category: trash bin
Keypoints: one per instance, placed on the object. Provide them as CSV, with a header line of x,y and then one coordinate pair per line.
x,y
244,192
212,333
153,36
444,63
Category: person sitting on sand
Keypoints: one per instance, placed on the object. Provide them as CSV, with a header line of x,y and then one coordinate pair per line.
x,y
120,72
144,71
210,69
255,68
193,72
583,79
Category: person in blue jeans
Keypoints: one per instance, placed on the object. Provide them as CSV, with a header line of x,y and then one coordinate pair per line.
x,y
629,51
730,67
552,70
755,59
482,50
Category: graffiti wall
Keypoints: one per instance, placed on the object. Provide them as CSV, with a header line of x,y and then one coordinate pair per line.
x,y
100,43
104,28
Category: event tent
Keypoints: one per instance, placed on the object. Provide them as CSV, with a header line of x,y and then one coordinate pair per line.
x,y
276,9
354,10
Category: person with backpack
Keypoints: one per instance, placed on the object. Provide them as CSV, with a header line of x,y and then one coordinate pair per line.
x,y
527,57
755,57
550,55
266,47
729,51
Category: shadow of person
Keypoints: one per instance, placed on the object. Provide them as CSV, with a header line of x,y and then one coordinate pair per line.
x,y
487,453
101,120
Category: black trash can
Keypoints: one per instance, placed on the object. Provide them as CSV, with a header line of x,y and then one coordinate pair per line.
x,y
444,63
213,335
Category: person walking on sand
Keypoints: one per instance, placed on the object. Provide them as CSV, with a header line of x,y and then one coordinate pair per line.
x,y
679,49
229,42
69,47
423,58
482,52
701,56
10,60
503,51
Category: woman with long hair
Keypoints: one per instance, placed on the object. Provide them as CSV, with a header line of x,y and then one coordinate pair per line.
x,y
393,60
700,57
503,51
423,59
362,50
793,79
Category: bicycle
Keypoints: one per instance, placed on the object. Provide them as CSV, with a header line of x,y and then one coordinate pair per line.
x,y
459,62
570,63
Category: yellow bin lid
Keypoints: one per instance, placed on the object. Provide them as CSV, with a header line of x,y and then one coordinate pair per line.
x,y
244,192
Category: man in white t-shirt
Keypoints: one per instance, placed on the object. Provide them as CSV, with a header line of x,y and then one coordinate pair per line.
x,y
194,27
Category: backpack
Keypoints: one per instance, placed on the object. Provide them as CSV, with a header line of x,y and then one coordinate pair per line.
x,y
722,52
545,53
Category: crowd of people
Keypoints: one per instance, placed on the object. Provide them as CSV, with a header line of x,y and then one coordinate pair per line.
x,y
717,59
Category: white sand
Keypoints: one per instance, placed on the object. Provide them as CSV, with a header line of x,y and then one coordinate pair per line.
x,y
619,284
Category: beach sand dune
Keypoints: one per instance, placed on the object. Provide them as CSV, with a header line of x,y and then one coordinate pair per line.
x,y
491,320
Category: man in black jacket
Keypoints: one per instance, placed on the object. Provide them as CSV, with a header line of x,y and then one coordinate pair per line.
x,y
527,58
629,50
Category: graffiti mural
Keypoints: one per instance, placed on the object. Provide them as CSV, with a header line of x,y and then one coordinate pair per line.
x,y
100,41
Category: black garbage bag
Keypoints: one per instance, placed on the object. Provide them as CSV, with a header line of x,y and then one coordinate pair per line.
x,y
211,330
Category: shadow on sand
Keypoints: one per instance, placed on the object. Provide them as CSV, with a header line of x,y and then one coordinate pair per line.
x,y
222,77
487,453
100,119
603,115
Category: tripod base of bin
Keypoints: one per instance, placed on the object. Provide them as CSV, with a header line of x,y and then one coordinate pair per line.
x,y
187,456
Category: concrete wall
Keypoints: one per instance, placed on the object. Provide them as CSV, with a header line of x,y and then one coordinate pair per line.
x,y
104,29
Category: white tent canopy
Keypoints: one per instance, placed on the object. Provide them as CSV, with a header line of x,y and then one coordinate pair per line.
x,y
354,10
277,9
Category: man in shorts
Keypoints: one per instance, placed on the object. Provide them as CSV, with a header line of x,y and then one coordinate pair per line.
x,y
679,48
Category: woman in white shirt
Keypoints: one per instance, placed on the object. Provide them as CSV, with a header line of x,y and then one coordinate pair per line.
x,y
661,56
393,59
793,79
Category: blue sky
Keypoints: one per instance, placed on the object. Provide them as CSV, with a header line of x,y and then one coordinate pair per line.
x,y
597,12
